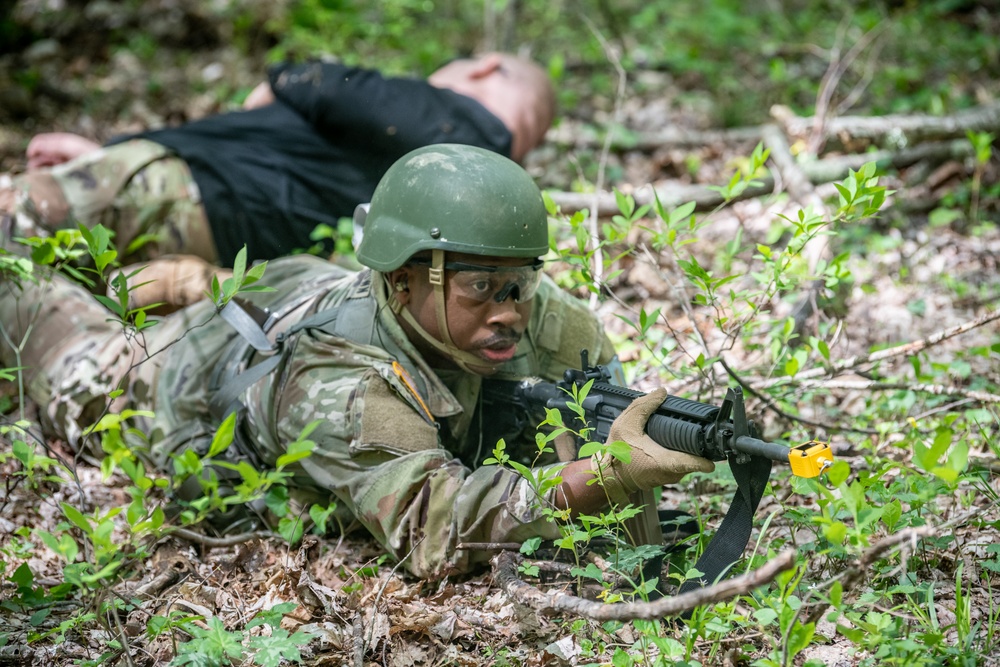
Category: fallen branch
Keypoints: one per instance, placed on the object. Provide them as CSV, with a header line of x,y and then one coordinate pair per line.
x,y
854,573
899,130
488,546
158,584
816,171
555,602
704,197
219,542
672,137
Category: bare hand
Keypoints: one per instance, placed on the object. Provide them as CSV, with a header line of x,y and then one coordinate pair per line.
x,y
52,148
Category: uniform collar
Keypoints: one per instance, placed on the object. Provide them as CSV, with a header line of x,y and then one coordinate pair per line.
x,y
440,400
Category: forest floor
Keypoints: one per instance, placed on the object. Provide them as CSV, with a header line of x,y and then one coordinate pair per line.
x,y
363,610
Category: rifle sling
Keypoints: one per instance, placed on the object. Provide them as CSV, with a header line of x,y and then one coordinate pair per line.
x,y
730,541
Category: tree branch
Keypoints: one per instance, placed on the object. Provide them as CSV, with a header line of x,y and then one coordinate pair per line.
x,y
554,602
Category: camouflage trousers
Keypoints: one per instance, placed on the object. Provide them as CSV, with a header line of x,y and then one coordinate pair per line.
x,y
138,189
74,358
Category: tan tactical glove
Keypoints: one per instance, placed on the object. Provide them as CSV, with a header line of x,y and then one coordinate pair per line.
x,y
651,464
176,280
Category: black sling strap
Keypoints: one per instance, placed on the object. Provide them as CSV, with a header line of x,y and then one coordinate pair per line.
x,y
730,541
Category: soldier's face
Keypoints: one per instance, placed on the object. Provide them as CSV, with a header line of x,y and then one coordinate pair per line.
x,y
477,322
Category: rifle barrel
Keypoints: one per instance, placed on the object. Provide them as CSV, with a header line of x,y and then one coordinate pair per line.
x,y
757,447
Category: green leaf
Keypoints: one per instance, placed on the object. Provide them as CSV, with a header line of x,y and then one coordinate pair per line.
x,y
276,500
621,450
298,450
223,436
23,452
530,545
320,514
291,529
221,641
77,518
836,532
891,513
800,637
279,646
837,593
589,572
255,273
765,616
621,658
838,472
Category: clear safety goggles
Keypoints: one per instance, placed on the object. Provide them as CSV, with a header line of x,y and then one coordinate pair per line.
x,y
482,283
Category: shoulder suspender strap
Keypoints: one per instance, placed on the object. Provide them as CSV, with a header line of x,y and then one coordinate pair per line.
x,y
355,319
224,400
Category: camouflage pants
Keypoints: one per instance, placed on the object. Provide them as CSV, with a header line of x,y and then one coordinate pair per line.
x,y
73,357
137,189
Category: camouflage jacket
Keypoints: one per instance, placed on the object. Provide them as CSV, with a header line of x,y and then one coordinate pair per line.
x,y
398,444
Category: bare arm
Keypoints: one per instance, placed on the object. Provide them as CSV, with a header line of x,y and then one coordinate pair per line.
x,y
259,97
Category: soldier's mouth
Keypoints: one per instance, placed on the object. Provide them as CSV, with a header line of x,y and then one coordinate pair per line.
x,y
499,348
498,353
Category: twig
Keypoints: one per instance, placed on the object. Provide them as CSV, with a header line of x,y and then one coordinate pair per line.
x,y
853,574
378,596
488,546
771,405
122,636
831,79
936,389
154,586
905,349
359,641
218,542
505,568
597,262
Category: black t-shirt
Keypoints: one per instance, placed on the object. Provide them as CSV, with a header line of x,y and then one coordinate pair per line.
x,y
268,176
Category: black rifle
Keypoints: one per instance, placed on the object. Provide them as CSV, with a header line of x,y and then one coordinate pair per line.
x,y
717,433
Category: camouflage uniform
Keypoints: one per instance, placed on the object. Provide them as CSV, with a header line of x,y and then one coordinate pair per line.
x,y
411,478
138,188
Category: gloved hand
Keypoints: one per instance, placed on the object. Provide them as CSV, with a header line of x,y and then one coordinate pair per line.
x,y
651,464
176,280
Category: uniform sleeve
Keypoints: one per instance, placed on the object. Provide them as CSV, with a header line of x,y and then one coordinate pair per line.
x,y
399,114
383,461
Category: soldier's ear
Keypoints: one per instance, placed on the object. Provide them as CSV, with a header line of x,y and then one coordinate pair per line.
x,y
399,285
486,65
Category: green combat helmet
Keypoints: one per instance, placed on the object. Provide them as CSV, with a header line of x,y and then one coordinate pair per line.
x,y
460,199
454,198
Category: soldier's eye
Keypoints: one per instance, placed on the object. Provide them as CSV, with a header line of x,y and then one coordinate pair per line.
x,y
483,287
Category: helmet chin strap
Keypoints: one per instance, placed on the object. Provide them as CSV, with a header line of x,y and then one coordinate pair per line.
x,y
447,347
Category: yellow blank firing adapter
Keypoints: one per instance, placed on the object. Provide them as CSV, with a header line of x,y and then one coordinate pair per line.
x,y
810,458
